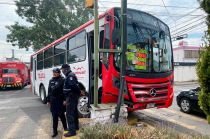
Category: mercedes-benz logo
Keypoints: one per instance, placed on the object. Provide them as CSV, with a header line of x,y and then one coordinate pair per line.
x,y
153,92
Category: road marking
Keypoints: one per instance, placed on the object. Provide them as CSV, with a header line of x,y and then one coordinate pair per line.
x,y
2,118
5,101
170,120
8,107
14,128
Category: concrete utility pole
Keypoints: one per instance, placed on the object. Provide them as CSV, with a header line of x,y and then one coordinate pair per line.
x,y
13,54
93,4
96,61
123,29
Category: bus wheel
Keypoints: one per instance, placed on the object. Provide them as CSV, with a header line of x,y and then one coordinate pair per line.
x,y
42,94
82,107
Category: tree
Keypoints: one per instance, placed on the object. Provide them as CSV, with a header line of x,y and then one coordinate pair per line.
x,y
203,65
47,21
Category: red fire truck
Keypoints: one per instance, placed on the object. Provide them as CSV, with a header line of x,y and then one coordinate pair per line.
x,y
13,74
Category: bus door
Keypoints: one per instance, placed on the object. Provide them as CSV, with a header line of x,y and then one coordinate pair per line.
x,y
34,76
90,37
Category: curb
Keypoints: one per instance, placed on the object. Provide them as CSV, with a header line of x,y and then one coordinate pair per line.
x,y
154,121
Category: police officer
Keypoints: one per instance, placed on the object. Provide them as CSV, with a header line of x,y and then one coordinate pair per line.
x,y
56,100
72,92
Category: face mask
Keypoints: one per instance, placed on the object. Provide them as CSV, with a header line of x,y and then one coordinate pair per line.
x,y
65,71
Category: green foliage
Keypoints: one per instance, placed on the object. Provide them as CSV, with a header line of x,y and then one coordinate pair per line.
x,y
47,21
203,72
203,65
117,131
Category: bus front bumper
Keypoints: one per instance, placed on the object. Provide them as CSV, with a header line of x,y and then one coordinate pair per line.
x,y
145,96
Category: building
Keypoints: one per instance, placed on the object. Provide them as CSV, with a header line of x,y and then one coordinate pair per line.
x,y
185,59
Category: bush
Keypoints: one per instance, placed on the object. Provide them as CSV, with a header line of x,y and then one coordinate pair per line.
x,y
203,72
117,131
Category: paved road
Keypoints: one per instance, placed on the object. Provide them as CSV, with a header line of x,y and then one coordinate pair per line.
x,y
23,116
172,116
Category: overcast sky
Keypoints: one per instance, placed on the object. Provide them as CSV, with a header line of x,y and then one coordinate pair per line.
x,y
182,16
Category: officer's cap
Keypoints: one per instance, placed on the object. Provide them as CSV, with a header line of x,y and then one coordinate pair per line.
x,y
56,70
65,66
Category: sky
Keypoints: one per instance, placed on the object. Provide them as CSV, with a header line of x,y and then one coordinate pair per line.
x,y
182,16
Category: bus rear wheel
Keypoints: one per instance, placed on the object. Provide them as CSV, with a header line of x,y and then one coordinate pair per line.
x,y
42,94
82,107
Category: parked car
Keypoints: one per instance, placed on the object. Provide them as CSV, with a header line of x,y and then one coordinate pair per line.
x,y
188,100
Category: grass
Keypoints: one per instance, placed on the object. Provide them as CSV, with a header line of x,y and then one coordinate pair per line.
x,y
119,131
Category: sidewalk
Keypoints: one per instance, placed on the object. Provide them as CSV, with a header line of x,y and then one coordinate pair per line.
x,y
177,120
185,83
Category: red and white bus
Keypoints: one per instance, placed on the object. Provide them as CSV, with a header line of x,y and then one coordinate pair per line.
x,y
149,70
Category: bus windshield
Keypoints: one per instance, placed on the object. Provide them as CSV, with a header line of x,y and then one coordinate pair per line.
x,y
7,71
148,45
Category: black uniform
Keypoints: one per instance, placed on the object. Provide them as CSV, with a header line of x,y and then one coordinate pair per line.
x,y
72,92
56,98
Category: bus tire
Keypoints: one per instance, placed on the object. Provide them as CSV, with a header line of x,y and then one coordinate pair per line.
x,y
82,107
42,94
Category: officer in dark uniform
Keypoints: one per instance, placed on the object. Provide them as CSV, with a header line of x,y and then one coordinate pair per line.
x,y
72,92
56,100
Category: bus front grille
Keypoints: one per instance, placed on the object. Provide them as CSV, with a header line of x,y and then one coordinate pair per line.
x,y
149,92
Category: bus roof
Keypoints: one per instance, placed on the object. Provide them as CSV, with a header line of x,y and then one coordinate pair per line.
x,y
71,33
84,26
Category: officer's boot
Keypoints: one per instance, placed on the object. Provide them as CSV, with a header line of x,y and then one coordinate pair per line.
x,y
55,133
70,134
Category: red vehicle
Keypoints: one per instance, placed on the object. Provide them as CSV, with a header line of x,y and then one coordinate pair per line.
x,y
13,74
149,71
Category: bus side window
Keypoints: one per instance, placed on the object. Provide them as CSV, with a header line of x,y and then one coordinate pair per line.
x,y
101,39
76,48
101,54
48,57
107,37
60,53
40,60
31,64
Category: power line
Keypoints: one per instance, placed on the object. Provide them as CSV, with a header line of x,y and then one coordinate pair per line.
x,y
6,3
187,14
161,14
175,32
167,11
190,20
187,32
196,28
171,6
187,29
174,15
187,24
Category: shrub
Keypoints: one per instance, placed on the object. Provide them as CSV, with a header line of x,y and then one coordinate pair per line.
x,y
203,72
117,131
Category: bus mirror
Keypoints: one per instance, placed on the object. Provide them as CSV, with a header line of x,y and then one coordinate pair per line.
x,y
161,34
116,36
